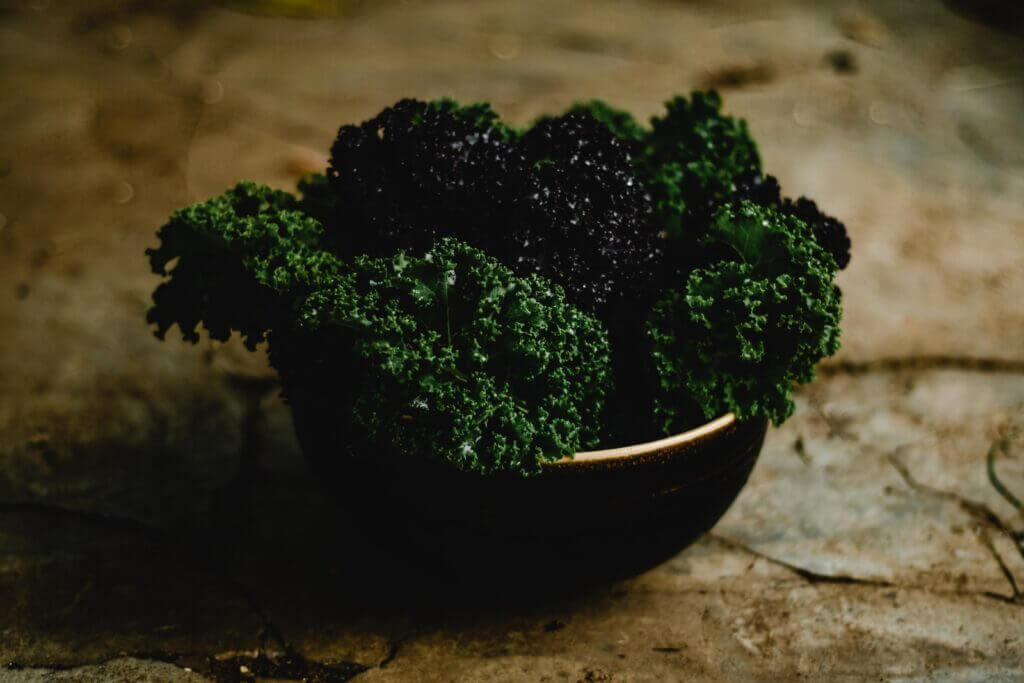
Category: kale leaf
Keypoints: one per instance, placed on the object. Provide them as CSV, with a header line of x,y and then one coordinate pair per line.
x,y
419,171
741,330
585,220
460,359
830,232
226,252
691,158
560,200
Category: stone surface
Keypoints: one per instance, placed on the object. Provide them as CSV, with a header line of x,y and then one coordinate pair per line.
x,y
157,521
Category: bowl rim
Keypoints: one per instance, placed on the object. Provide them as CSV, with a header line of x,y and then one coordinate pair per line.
x,y
636,450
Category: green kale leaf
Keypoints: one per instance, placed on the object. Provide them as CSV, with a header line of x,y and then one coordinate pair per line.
x,y
741,330
233,257
461,359
830,232
479,115
692,156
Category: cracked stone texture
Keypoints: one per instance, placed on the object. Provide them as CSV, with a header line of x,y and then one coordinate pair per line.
x,y
156,518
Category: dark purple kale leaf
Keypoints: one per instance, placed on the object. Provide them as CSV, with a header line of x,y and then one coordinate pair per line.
x,y
560,200
418,171
584,220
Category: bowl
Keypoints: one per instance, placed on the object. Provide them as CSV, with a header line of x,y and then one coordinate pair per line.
x,y
601,515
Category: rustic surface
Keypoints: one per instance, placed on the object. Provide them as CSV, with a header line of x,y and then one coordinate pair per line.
x,y
156,518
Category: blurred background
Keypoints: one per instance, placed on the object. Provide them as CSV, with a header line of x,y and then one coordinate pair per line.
x,y
155,513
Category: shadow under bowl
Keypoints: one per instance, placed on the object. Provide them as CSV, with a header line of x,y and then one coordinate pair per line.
x,y
599,516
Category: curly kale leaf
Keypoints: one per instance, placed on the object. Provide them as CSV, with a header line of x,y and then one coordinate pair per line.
x,y
693,155
585,220
561,200
743,329
689,161
830,232
419,171
235,255
462,360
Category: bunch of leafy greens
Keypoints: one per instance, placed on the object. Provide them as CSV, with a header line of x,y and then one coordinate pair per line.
x,y
456,289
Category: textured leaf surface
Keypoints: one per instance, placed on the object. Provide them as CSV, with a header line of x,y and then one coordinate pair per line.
x,y
462,359
745,328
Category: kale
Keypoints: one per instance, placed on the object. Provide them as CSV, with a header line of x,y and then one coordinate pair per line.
x,y
740,331
453,288
694,159
217,248
560,200
479,115
691,158
462,360
447,355
689,161
419,171
830,233
763,190
585,220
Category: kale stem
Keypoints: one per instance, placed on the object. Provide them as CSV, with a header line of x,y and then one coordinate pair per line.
x,y
447,308
458,374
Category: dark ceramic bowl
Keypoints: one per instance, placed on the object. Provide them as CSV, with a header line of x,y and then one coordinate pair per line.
x,y
603,514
